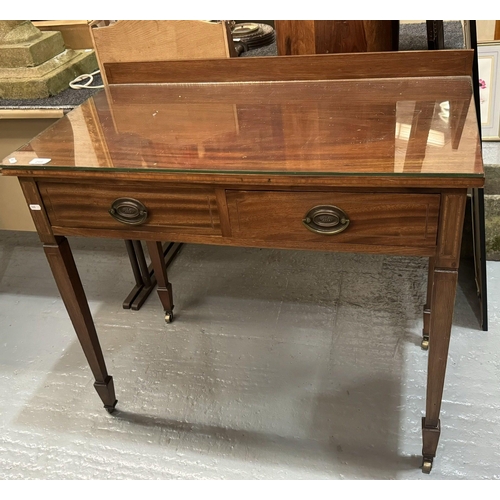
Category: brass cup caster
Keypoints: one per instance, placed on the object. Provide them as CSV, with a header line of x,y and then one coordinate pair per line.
x,y
425,343
169,317
427,465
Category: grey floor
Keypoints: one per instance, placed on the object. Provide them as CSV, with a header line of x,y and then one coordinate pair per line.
x,y
279,365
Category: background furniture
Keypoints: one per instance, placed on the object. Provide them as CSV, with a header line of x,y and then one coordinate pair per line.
x,y
135,41
328,37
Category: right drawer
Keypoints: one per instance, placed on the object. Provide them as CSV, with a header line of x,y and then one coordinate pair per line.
x,y
387,219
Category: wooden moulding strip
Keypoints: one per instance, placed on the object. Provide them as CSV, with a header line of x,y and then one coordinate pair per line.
x,y
8,114
266,181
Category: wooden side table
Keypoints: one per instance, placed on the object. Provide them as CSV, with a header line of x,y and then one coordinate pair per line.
x,y
303,152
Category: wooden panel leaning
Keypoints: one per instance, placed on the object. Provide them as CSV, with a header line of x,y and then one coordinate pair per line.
x,y
133,41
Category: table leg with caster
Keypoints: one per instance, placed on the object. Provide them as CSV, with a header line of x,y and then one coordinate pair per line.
x,y
444,279
431,440
155,250
443,300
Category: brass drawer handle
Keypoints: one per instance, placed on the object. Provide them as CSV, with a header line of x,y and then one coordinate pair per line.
x,y
128,211
326,219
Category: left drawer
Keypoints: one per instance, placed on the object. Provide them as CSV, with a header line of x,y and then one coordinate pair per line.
x,y
139,207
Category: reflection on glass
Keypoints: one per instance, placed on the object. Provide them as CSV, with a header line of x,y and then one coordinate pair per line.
x,y
435,137
325,127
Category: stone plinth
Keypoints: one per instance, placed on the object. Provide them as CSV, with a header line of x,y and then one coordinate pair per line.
x,y
45,47
48,78
36,64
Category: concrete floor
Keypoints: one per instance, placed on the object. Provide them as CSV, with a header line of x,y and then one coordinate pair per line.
x,y
279,365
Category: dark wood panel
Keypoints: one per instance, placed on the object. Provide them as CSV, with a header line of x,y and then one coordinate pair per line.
x,y
354,36
88,205
295,37
375,219
285,68
331,36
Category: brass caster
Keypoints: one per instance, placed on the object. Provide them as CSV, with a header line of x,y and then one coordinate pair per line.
x,y
424,344
426,466
169,317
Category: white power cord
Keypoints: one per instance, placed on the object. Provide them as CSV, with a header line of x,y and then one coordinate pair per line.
x,y
75,85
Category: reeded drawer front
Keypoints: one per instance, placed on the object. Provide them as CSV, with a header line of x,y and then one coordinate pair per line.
x,y
395,219
88,206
